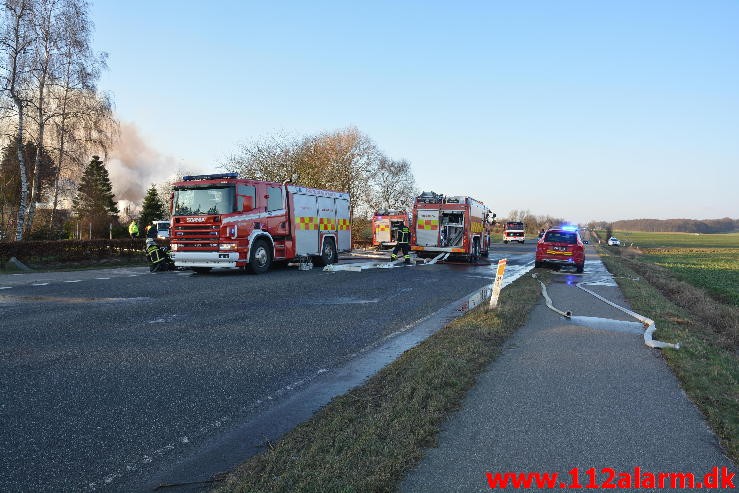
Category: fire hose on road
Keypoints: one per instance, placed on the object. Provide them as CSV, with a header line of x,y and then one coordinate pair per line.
x,y
648,323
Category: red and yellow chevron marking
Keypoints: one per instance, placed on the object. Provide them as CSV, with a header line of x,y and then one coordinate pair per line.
x,y
344,225
556,252
382,227
429,224
327,224
306,223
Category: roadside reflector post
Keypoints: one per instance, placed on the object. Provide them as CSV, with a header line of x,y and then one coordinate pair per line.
x,y
497,284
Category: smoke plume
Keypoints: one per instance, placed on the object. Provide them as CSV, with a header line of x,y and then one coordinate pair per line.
x,y
133,165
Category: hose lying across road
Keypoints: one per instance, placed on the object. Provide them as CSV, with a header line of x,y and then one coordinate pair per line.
x,y
647,322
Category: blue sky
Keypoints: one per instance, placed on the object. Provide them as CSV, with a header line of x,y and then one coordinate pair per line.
x,y
578,109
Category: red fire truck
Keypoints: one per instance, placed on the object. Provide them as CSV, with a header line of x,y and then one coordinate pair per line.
x,y
221,221
385,225
514,231
457,225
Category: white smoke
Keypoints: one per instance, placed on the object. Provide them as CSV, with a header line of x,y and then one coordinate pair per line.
x,y
134,166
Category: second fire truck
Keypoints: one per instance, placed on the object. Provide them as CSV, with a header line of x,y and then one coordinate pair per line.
x,y
385,226
514,231
458,225
221,221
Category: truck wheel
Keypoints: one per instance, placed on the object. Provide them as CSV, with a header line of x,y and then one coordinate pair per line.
x,y
260,258
329,255
201,270
505,241
475,251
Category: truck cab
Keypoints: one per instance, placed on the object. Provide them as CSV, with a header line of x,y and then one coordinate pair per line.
x,y
514,231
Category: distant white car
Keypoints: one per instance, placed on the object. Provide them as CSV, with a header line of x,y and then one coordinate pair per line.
x,y
613,241
162,229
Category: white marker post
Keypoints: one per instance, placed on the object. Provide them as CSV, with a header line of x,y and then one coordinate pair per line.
x,y
497,284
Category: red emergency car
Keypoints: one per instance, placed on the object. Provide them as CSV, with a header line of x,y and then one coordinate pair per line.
x,y
561,246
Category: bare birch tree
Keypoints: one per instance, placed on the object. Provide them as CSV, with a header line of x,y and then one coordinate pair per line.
x,y
16,41
42,66
392,186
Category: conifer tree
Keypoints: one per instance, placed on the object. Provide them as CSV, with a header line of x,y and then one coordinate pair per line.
x,y
152,209
94,205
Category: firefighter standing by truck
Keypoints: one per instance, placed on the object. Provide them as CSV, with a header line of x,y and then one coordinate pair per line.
x,y
403,243
159,259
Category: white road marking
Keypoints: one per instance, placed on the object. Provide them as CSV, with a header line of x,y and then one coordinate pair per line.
x,y
77,280
40,284
6,287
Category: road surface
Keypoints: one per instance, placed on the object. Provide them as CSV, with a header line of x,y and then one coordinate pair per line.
x,y
110,376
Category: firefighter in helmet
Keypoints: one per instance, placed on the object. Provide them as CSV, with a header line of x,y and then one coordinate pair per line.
x,y
133,229
402,236
159,258
151,231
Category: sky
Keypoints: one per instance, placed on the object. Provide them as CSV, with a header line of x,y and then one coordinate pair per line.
x,y
576,109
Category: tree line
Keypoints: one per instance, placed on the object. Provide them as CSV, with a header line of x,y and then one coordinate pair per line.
x,y
705,226
533,223
52,116
343,160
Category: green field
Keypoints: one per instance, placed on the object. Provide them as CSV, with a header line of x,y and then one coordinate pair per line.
x,y
709,261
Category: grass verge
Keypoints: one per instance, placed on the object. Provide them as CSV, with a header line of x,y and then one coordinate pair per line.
x,y
707,363
367,439
709,261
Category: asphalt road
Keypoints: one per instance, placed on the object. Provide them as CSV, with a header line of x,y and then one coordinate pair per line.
x,y
112,374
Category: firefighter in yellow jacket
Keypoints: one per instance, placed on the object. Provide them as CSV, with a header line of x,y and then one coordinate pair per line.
x,y
403,238
133,229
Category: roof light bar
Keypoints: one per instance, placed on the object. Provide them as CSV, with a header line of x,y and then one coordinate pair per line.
x,y
217,176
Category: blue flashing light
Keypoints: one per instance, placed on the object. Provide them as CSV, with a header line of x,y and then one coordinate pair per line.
x,y
569,227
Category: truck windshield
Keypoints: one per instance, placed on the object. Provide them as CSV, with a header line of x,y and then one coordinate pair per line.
x,y
197,201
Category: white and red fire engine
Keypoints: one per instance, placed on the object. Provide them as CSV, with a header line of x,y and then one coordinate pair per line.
x,y
459,226
514,231
385,226
221,221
